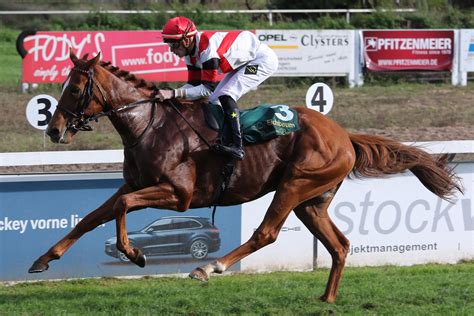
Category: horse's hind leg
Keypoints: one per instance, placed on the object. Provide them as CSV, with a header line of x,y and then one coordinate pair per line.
x,y
265,234
313,214
101,215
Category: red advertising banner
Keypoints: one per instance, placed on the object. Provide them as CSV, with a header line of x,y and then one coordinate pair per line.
x,y
408,49
46,54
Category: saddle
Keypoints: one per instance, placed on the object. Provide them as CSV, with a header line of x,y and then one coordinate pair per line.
x,y
258,124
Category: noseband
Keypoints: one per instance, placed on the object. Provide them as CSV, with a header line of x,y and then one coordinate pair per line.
x,y
79,121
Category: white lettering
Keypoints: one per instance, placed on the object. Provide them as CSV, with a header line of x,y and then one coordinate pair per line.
x,y
50,223
51,47
413,43
386,217
43,73
13,225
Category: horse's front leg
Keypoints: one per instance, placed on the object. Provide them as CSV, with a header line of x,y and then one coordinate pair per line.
x,y
162,195
101,215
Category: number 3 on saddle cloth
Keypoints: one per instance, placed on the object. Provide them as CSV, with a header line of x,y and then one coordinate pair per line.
x,y
259,124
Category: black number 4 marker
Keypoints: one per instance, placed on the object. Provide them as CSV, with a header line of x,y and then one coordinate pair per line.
x,y
315,101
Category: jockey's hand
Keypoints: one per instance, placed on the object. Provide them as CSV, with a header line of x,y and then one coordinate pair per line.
x,y
165,95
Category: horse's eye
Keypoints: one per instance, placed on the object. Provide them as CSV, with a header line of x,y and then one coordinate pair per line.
x,y
75,91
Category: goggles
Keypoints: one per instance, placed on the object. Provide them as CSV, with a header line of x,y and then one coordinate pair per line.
x,y
174,45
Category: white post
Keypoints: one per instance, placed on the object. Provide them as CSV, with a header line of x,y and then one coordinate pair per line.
x,y
463,78
359,58
270,18
455,71
351,77
464,61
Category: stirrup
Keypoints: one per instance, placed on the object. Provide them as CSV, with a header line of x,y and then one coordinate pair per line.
x,y
235,152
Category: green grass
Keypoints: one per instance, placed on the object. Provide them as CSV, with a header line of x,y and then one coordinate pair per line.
x,y
417,290
10,60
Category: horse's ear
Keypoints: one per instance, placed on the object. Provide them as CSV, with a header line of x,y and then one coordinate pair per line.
x,y
73,56
94,61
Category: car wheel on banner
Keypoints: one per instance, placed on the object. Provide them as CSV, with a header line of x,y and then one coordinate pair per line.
x,y
320,98
40,110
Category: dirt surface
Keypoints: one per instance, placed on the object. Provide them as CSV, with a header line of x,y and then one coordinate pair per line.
x,y
423,133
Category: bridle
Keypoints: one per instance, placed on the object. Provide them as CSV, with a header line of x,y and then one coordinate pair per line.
x,y
82,123
79,121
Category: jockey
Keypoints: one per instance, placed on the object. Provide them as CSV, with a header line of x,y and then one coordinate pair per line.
x,y
238,54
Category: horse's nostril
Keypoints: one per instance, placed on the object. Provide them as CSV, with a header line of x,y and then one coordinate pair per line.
x,y
52,132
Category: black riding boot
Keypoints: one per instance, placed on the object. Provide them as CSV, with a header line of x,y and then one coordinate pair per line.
x,y
231,114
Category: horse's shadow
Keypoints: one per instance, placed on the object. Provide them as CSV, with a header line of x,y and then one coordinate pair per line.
x,y
161,261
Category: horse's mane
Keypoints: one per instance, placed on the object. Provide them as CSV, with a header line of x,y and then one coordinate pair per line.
x,y
127,76
138,82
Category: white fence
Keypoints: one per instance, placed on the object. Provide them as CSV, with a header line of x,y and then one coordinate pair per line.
x,y
268,13
43,158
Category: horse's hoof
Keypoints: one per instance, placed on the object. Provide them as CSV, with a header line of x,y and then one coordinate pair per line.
x,y
327,299
199,274
38,267
140,259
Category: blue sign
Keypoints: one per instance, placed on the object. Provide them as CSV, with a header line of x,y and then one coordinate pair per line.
x,y
36,212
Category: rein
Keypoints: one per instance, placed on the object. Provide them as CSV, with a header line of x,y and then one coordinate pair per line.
x,y
96,117
189,123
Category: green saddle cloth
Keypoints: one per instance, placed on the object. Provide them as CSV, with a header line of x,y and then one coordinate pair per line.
x,y
263,122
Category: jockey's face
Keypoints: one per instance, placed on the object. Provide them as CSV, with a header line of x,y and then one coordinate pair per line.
x,y
182,48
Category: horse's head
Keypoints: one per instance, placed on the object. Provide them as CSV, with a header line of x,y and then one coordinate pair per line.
x,y
81,98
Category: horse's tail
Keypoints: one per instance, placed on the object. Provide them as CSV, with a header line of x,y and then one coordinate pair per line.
x,y
377,156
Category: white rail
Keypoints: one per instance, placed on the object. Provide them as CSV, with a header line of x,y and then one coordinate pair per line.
x,y
42,158
116,156
269,13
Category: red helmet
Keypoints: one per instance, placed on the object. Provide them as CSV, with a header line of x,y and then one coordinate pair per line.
x,y
178,28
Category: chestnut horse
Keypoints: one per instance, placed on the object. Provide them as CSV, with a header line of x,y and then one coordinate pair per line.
x,y
168,166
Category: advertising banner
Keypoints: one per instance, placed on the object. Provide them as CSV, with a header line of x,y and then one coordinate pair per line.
x,y
387,50
143,53
398,221
466,60
36,212
311,52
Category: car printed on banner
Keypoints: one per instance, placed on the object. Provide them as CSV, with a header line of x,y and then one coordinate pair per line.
x,y
174,235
